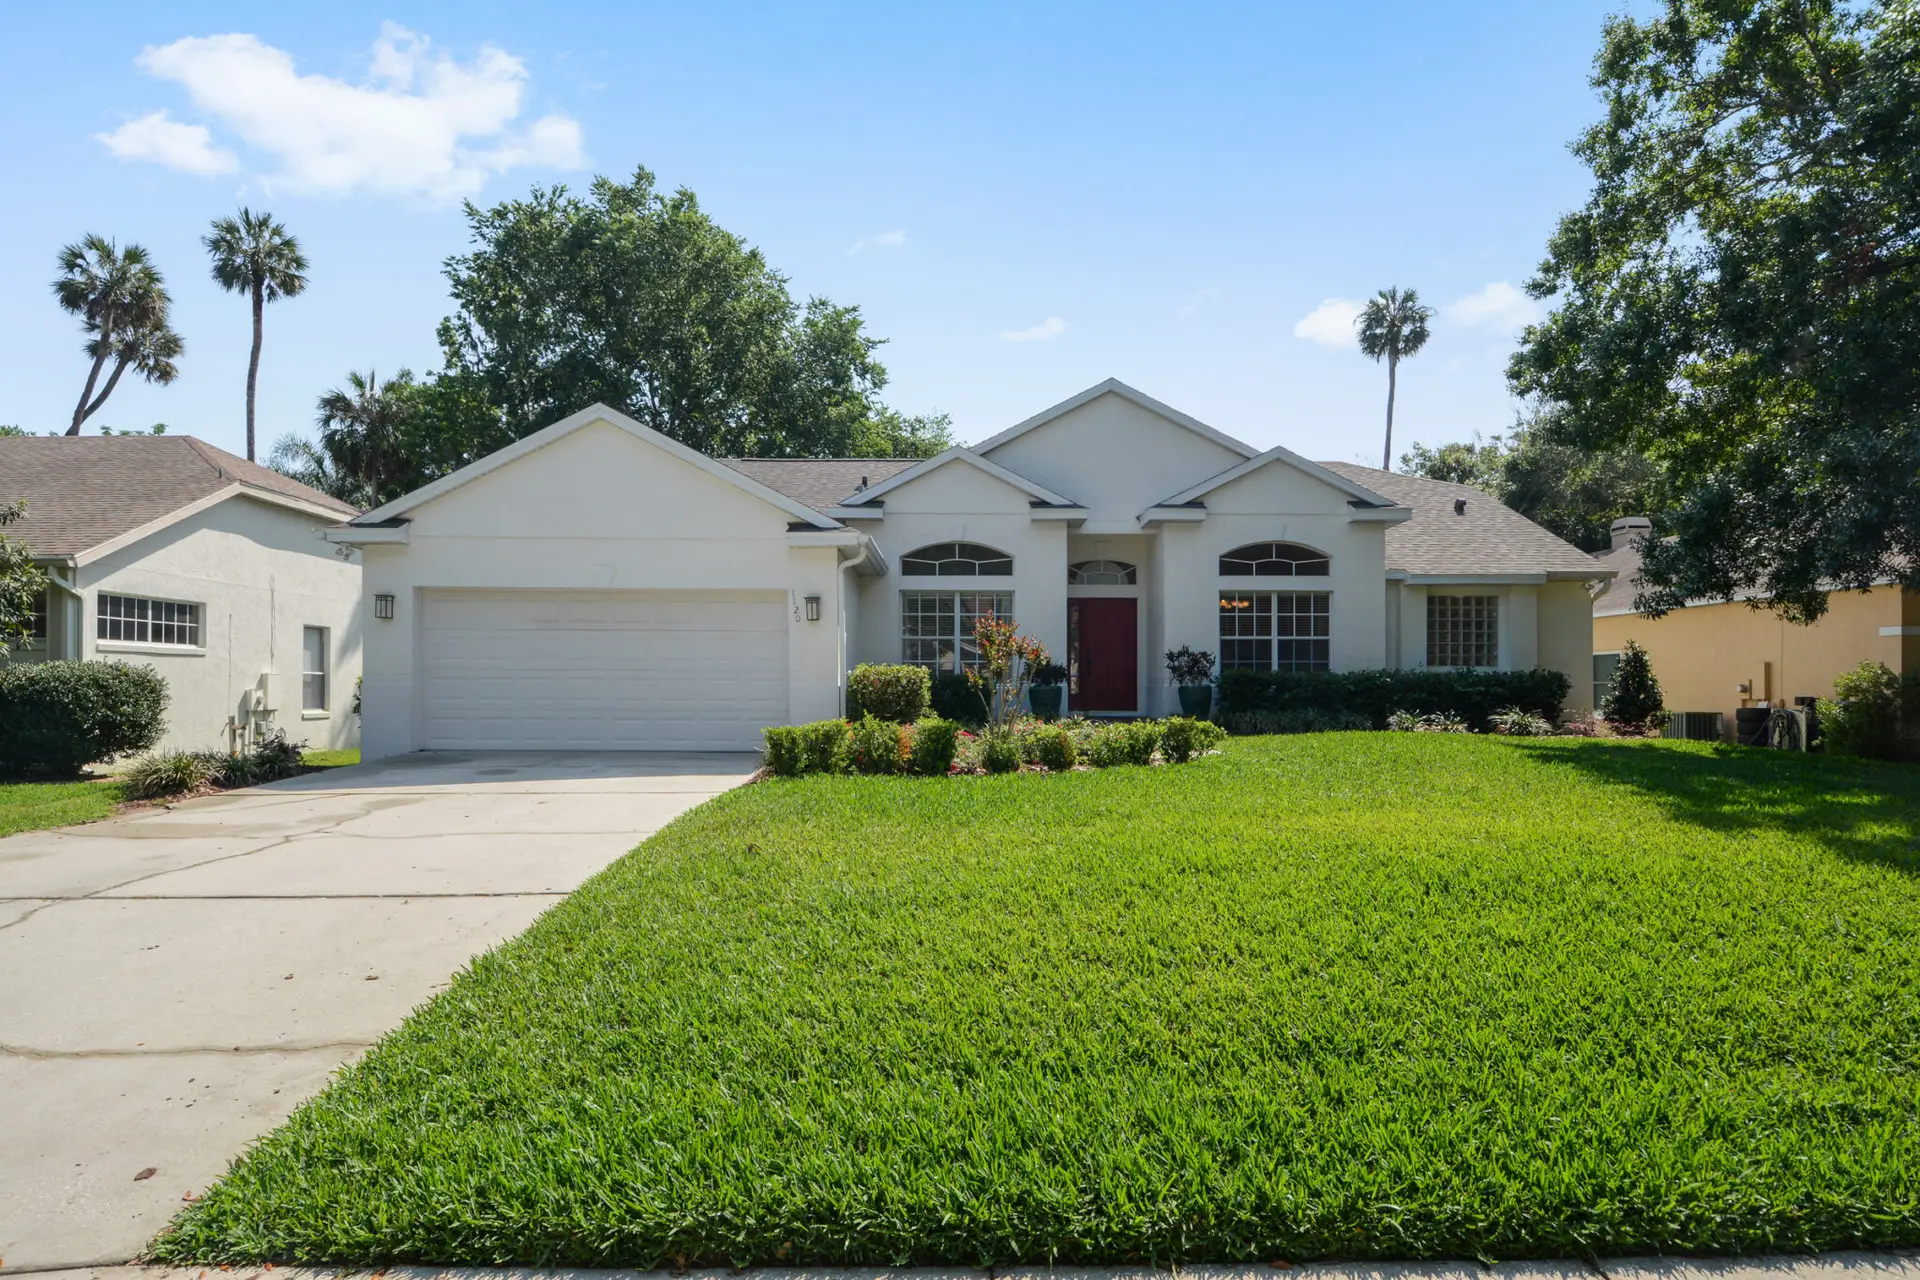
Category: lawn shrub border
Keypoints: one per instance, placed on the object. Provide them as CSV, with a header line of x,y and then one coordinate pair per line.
x,y
934,746
60,717
1472,694
892,691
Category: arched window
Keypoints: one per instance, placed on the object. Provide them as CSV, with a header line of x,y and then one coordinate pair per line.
x,y
957,560
1102,573
1274,560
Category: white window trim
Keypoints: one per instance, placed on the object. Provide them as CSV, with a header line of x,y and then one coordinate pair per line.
x,y
325,673
971,589
1502,617
102,645
1285,587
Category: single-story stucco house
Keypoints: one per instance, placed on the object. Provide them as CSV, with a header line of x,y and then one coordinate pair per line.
x,y
597,584
169,553
1722,655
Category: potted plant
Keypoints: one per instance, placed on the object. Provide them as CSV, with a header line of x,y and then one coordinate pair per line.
x,y
1043,695
1192,670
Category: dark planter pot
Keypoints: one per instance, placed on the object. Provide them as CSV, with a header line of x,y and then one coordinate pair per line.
x,y
1196,700
1045,700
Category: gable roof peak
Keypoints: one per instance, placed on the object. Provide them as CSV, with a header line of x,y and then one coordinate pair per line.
x,y
1115,387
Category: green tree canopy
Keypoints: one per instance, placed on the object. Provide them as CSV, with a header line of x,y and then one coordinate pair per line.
x,y
23,584
1739,300
636,298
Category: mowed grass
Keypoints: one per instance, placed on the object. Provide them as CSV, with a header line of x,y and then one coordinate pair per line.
x,y
1334,995
36,806
330,759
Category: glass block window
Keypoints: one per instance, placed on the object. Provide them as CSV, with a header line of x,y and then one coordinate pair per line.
x,y
1276,630
957,560
1274,560
1463,631
313,668
1102,573
138,620
936,627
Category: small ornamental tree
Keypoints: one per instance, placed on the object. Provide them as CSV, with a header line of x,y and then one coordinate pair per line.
x,y
1633,703
1008,661
23,584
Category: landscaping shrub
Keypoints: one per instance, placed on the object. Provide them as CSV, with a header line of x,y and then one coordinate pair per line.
x,y
1183,737
999,751
171,773
878,746
1516,723
1633,703
1873,712
273,757
1124,743
935,742
1054,747
895,692
60,717
954,697
1296,720
1436,722
783,750
824,746
1472,695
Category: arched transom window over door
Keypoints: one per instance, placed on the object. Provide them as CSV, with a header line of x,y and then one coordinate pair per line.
x,y
1102,573
1274,560
956,560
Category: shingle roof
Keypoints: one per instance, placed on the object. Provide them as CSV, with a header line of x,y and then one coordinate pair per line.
x,y
82,491
818,482
1488,538
1618,597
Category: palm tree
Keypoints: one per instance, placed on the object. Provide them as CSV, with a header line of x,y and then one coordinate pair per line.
x,y
122,303
360,430
254,255
1393,325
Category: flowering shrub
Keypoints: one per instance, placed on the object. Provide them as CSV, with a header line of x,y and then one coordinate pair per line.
x,y
878,746
1008,661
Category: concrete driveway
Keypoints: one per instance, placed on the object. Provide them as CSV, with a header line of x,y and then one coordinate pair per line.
x,y
173,984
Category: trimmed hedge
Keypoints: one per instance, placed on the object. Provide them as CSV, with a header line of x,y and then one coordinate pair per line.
x,y
955,698
60,717
895,692
1473,695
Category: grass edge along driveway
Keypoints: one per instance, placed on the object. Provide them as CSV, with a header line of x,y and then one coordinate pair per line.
x,y
1341,995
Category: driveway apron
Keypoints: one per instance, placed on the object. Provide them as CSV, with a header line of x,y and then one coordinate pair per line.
x,y
174,983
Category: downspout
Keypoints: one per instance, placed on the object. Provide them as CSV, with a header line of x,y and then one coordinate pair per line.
x,y
866,550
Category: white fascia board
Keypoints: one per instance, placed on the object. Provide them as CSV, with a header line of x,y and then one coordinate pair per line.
x,y
1476,579
1172,515
1113,386
1042,512
566,427
960,453
857,513
1280,453
1581,575
1379,515
358,535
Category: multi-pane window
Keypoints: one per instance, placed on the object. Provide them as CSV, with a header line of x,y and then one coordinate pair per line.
x,y
957,560
1276,630
1463,631
936,627
138,620
1604,665
1273,560
37,620
313,668
1102,573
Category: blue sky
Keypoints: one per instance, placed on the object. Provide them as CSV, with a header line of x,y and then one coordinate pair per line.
x,y
1022,199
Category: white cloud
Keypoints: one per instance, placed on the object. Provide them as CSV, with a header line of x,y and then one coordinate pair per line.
x,y
895,239
1051,327
1499,304
186,147
1330,323
423,124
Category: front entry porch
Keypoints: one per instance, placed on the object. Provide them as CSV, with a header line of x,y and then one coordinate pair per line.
x,y
1103,655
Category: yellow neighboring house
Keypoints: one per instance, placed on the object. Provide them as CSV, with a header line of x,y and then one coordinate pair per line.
x,y
1720,657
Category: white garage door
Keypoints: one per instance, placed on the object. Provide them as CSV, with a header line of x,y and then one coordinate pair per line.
x,y
602,670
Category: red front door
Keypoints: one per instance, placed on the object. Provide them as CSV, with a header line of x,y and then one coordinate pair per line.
x,y
1105,654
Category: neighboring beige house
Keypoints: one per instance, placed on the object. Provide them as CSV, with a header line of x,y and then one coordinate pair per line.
x,y
600,585
1723,656
167,552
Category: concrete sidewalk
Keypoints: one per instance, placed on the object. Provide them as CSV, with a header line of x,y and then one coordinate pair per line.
x,y
1826,1266
174,983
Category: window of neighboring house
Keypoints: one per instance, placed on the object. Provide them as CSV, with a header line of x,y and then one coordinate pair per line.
x,y
956,560
936,627
138,620
1102,573
1463,631
313,668
1276,630
1274,560
37,621
1604,665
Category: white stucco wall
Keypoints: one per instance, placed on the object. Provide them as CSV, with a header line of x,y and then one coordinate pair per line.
x,y
1543,625
598,508
260,573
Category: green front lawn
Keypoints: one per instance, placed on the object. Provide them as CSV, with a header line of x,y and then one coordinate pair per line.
x,y
1331,995
35,806
330,759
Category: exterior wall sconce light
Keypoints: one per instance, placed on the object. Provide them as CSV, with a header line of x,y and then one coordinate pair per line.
x,y
813,608
383,608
